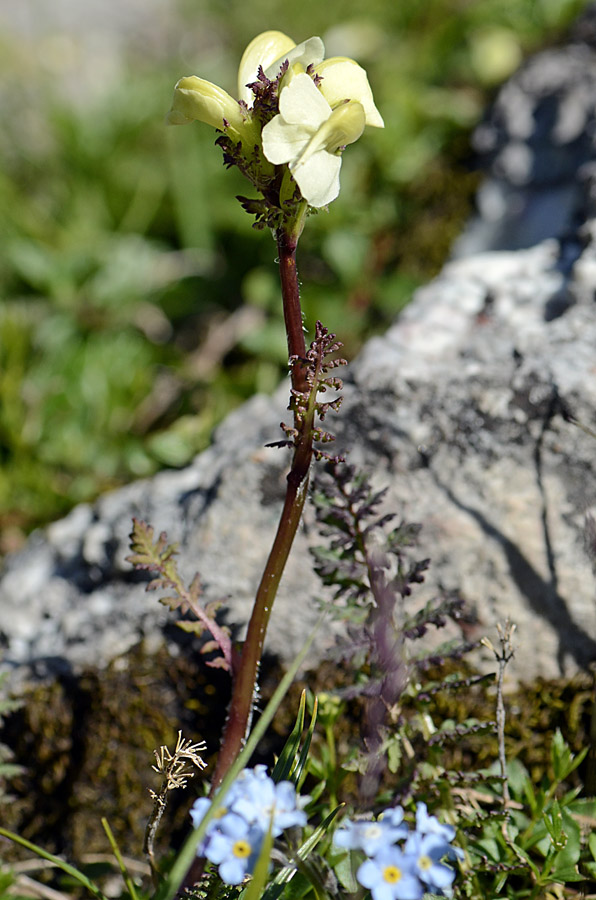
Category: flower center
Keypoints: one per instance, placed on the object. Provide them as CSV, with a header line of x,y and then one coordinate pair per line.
x,y
391,874
241,849
425,862
372,832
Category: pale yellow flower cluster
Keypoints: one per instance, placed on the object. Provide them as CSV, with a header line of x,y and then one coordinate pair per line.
x,y
324,104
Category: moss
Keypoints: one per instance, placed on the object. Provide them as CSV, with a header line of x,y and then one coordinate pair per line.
x,y
533,713
87,743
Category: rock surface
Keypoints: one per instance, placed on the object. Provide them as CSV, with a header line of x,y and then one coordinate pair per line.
x,y
463,408
537,146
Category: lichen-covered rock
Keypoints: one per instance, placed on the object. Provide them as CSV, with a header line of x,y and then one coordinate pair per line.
x,y
499,354
463,408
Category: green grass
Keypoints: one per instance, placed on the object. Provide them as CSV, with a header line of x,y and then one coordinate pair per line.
x,y
138,306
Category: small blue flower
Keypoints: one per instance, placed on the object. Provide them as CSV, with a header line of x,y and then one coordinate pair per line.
x,y
198,810
234,847
197,814
395,817
391,875
234,836
372,837
426,824
427,852
256,797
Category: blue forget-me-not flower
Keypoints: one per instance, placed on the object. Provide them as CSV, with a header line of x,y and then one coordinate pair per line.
x,y
407,870
253,804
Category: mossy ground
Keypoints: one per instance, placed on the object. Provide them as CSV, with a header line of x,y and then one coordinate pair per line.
x,y
87,743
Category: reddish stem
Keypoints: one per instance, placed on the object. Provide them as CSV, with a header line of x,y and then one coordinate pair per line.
x,y
239,716
286,245
245,670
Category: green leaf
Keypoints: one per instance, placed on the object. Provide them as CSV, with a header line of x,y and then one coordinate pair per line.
x,y
345,869
299,887
287,757
394,756
553,822
130,885
300,771
570,853
564,874
518,778
291,765
493,849
521,854
564,762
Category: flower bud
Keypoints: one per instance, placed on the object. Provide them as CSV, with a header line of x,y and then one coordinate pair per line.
x,y
200,100
344,126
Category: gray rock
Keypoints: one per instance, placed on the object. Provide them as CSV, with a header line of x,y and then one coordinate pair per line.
x,y
537,146
461,408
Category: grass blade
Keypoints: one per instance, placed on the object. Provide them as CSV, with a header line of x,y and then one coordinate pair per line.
x,y
56,861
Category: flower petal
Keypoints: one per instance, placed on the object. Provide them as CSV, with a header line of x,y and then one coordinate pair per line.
x,y
344,79
232,871
344,126
438,876
318,178
283,141
301,103
368,874
308,53
263,50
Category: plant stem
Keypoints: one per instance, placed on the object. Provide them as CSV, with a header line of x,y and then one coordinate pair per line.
x,y
187,860
238,722
290,289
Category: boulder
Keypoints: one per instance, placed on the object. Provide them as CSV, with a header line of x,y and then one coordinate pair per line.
x,y
465,408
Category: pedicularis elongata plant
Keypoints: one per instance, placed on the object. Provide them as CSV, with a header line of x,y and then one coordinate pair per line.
x,y
295,114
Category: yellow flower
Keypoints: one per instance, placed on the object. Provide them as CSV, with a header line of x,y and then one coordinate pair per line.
x,y
270,50
307,134
198,100
317,119
343,79
324,104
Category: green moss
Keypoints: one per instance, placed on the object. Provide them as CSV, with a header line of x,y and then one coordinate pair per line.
x,y
87,744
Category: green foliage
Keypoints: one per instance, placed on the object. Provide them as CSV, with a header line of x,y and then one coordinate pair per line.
x,y
158,558
76,874
137,310
291,764
541,840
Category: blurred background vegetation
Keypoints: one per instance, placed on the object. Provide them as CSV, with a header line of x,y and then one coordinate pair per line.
x,y
137,304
